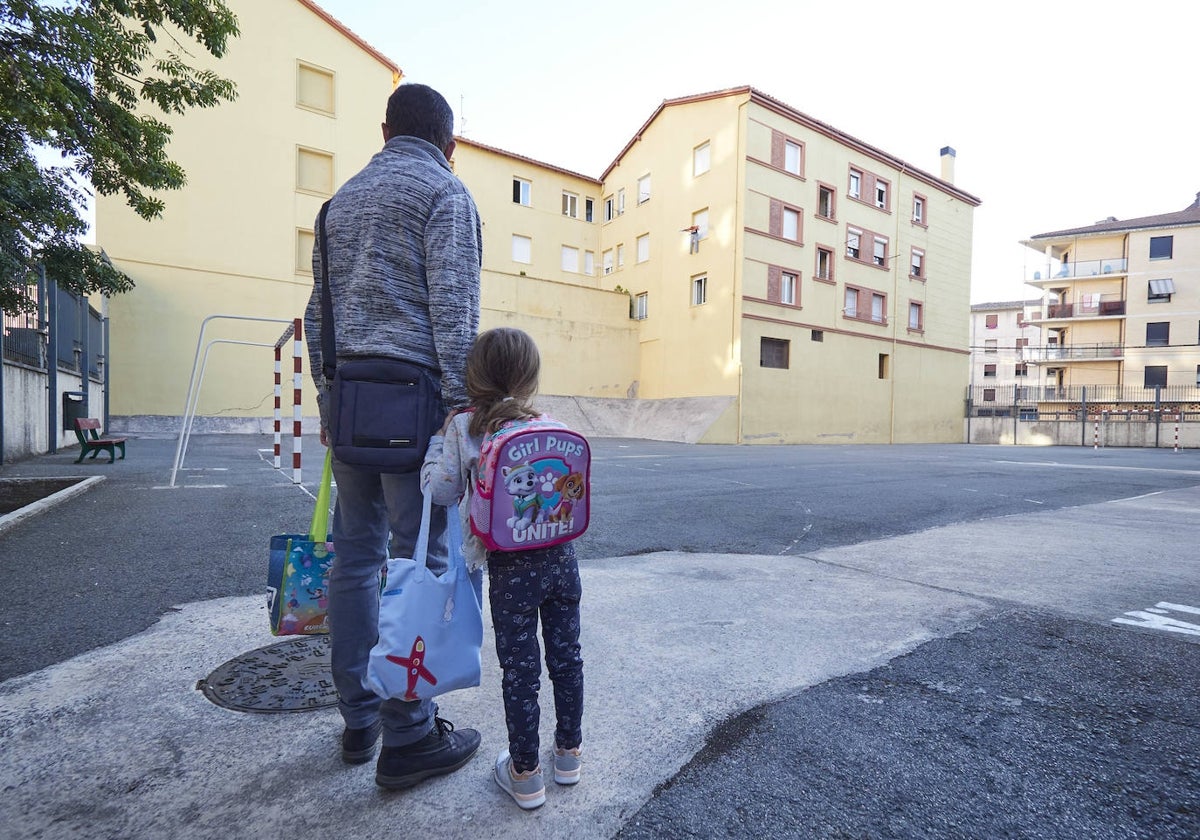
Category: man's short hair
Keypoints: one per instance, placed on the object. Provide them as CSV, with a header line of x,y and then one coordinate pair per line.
x,y
420,111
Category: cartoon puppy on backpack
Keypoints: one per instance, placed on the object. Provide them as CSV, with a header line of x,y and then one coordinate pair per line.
x,y
571,488
521,484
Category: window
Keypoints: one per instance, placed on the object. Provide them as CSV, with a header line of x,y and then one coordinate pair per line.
x,y
643,247
918,214
521,190
990,321
791,224
915,316
879,255
825,202
314,171
854,189
791,157
1160,291
884,365
570,259
990,346
621,255
606,262
824,263
589,209
1156,376
639,306
700,222
989,394
621,201
773,352
1021,369
1161,247
788,284
989,370
917,267
570,205
857,302
522,249
314,88
878,305
643,189
589,263
853,244
1198,376
305,241
1158,334
1022,343
700,159
818,335
609,209
881,194
699,289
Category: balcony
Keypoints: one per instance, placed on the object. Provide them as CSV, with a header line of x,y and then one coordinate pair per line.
x,y
1090,306
1102,351
1080,270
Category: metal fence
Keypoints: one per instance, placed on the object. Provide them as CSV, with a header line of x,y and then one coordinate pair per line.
x,y
78,332
1030,402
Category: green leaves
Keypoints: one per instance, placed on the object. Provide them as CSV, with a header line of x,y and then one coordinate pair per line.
x,y
84,77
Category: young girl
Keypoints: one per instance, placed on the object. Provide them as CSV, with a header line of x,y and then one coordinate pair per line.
x,y
502,377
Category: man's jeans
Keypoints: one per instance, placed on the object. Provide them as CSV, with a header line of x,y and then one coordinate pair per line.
x,y
369,505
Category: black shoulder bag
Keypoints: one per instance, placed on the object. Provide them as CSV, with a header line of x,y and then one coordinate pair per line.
x,y
382,411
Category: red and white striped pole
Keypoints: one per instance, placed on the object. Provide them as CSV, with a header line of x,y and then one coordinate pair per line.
x,y
297,355
278,395
1096,434
1177,433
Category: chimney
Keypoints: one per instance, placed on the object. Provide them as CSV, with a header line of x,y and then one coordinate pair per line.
x,y
948,155
1196,203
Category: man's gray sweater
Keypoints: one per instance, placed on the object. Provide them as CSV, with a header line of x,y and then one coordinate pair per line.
x,y
404,251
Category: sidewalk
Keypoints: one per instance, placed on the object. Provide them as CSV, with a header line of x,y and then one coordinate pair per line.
x,y
118,742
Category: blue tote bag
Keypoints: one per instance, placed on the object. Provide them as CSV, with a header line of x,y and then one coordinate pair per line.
x,y
430,626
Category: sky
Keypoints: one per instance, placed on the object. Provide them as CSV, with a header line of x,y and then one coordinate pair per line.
x,y
1062,112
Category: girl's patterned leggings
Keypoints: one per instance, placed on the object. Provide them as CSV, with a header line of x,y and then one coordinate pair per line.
x,y
521,587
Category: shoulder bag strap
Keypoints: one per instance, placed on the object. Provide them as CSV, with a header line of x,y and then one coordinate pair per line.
x,y
328,346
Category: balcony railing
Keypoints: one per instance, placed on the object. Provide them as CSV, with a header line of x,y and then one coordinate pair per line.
x,y
1073,352
1082,268
1091,306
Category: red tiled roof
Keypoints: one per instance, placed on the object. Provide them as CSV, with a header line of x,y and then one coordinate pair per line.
x,y
516,156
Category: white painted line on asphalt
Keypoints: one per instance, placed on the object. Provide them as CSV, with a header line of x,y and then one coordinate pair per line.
x,y
969,490
1155,618
1178,607
1061,466
191,487
1134,498
1034,502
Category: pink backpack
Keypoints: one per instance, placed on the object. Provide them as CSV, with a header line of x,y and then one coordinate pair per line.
x,y
532,486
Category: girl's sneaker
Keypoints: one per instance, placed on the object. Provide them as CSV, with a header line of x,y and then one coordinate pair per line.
x,y
566,766
527,788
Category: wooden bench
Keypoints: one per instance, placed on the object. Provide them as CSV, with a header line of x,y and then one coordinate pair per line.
x,y
88,431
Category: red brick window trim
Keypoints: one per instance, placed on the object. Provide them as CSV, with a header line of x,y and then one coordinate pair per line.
x,y
826,201
787,154
867,305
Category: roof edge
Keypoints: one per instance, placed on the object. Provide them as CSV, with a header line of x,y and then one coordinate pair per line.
x,y
345,30
526,159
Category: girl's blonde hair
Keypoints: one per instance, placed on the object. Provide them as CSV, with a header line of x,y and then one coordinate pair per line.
x,y
502,377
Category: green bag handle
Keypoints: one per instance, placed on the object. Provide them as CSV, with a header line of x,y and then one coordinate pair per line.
x,y
319,532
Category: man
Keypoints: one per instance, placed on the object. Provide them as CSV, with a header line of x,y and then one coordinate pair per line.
x,y
404,252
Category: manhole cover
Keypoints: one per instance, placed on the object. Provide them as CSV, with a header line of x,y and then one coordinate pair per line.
x,y
289,676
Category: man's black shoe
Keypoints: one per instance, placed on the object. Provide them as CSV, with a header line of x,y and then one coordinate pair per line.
x,y
358,745
441,751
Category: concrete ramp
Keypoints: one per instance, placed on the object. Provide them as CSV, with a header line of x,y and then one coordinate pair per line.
x,y
684,420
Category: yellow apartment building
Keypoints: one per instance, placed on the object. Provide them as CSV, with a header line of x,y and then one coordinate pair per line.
x,y
1121,307
741,272
1003,336
237,240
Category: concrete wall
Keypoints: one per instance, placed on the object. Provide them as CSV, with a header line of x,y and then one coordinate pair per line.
x,y
1006,430
26,414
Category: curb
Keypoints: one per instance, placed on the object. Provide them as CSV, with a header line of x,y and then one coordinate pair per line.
x,y
10,520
